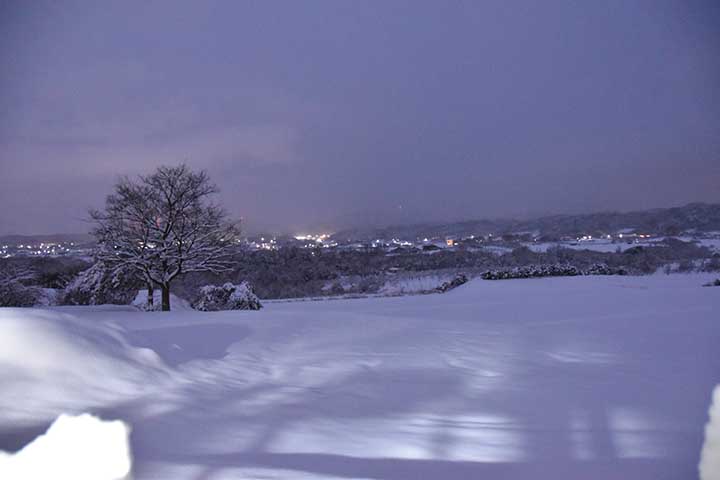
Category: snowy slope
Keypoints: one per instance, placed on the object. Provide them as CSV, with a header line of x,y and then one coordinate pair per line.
x,y
558,378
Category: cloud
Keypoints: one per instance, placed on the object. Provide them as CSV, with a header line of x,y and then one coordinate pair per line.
x,y
479,110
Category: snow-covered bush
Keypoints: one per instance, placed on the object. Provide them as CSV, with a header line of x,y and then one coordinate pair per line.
x,y
14,289
603,269
15,294
227,297
555,270
714,283
459,279
532,271
100,285
28,282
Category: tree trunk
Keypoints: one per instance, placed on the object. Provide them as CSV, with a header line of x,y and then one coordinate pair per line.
x,y
166,298
150,296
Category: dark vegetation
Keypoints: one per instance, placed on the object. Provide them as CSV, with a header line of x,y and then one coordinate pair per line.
x,y
227,297
22,280
557,270
459,279
297,272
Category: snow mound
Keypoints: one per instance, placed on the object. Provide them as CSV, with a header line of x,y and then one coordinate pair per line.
x,y
409,284
80,447
52,362
710,456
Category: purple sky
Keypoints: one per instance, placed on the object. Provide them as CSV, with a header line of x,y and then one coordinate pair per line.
x,y
335,113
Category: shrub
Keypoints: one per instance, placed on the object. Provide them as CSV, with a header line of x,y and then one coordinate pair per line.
x,y
15,294
556,270
603,269
100,285
227,297
532,271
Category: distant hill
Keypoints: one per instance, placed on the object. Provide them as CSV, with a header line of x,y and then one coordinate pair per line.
x,y
695,216
701,217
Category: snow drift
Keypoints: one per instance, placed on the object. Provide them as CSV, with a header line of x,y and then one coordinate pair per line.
x,y
710,457
79,447
52,361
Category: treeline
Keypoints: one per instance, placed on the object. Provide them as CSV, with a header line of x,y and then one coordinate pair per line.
x,y
295,272
25,282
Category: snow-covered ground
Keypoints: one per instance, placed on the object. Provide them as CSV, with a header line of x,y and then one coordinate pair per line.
x,y
600,245
608,246
412,284
711,243
560,378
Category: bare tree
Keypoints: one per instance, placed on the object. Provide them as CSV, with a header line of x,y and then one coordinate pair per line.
x,y
163,225
123,231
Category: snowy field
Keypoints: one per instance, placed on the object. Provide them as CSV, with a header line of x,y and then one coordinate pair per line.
x,y
556,378
607,246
